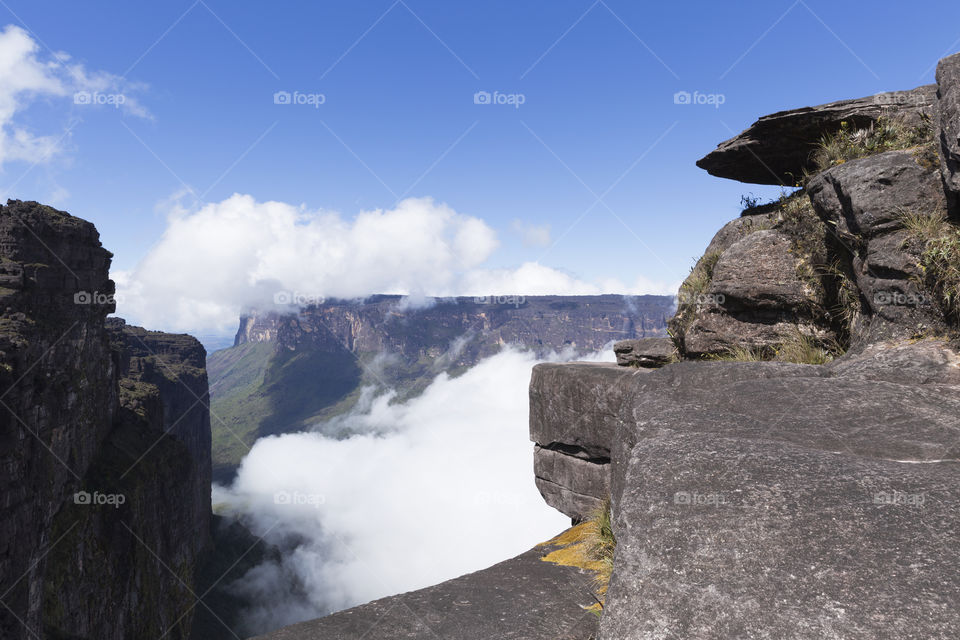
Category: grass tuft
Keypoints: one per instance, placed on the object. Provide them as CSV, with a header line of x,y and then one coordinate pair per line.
x,y
886,134
589,545
940,256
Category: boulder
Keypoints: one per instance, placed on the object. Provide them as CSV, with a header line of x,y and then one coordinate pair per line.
x,y
645,352
759,272
864,200
865,197
776,148
948,99
756,297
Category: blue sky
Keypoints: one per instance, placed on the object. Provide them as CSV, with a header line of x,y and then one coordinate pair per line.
x,y
598,151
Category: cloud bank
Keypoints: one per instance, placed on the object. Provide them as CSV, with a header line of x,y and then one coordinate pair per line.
x,y
28,74
423,491
217,261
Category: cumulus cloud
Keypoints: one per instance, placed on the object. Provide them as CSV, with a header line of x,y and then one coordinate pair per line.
x,y
221,259
28,74
532,235
422,491
213,263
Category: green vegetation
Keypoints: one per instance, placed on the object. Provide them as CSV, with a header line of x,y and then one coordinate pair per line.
x,y
886,134
690,293
939,257
590,545
796,348
256,390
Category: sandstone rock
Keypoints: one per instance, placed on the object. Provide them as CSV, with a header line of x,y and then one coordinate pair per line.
x,y
571,482
759,272
948,97
745,494
573,409
645,352
776,148
865,197
864,200
523,598
725,538
79,408
716,331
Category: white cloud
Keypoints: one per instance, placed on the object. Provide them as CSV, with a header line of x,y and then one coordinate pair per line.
x,y
217,261
28,74
425,490
532,235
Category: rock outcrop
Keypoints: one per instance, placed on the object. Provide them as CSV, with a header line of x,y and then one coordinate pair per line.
x,y
745,494
948,100
776,149
104,468
645,352
814,494
523,598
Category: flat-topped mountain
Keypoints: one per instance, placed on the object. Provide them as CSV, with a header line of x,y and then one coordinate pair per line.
x,y
287,371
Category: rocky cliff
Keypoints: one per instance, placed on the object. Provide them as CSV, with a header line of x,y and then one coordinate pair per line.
x,y
105,463
289,370
795,473
383,324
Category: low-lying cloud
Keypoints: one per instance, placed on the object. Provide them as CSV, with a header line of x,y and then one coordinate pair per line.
x,y
423,491
218,261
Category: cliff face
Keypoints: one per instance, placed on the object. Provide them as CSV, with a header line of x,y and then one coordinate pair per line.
x,y
381,324
809,486
287,371
104,468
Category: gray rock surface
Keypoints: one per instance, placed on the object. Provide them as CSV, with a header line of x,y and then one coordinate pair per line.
x,y
759,271
775,500
776,148
866,196
523,598
573,421
864,200
645,352
728,538
756,297
746,494
948,97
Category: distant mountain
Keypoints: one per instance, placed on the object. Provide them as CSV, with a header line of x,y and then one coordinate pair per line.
x,y
287,371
